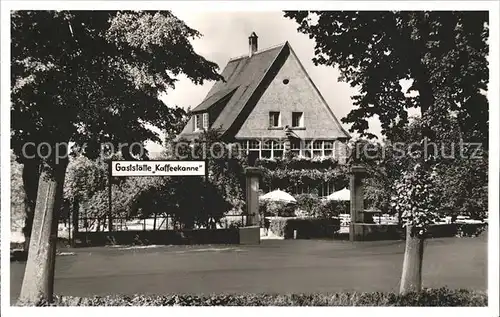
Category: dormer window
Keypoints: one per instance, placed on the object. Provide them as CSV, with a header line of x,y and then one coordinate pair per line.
x,y
198,122
205,121
201,121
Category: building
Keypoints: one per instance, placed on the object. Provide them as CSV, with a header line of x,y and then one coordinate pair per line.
x,y
269,105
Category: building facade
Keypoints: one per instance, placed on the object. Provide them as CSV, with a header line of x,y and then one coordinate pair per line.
x,y
269,105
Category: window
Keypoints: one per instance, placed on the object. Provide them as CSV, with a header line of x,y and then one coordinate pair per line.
x,y
266,148
253,151
297,119
274,119
254,145
317,149
198,122
317,153
328,148
244,145
307,149
313,149
265,153
278,145
205,121
278,148
295,147
267,144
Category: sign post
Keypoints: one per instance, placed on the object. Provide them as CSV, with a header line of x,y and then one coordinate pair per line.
x,y
152,168
110,212
158,168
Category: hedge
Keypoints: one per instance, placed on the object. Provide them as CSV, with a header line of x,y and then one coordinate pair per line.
x,y
163,237
306,228
428,297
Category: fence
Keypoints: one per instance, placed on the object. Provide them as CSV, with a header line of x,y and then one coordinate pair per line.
x,y
95,224
168,222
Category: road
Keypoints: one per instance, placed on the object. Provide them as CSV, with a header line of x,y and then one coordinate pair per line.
x,y
285,266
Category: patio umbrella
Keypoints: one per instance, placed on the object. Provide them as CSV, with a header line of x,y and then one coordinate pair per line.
x,y
278,195
343,194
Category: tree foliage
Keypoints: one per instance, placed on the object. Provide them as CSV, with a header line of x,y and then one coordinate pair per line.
x,y
82,76
461,170
84,178
17,195
226,166
89,77
443,54
179,119
416,198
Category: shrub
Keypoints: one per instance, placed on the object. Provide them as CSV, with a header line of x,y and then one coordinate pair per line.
x,y
300,213
428,297
277,226
313,206
470,229
235,224
280,209
263,208
332,208
306,227
308,203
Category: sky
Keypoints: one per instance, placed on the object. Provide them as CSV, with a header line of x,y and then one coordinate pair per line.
x,y
225,35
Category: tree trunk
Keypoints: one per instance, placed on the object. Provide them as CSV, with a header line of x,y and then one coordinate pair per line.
x,y
411,279
75,218
38,282
31,176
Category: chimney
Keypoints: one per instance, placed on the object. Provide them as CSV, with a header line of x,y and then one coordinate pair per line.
x,y
252,44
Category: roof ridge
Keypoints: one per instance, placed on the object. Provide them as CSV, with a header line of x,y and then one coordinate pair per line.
x,y
257,52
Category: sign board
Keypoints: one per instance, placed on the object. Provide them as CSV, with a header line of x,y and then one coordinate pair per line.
x,y
158,168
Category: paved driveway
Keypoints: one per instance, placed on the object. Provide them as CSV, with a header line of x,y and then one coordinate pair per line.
x,y
274,266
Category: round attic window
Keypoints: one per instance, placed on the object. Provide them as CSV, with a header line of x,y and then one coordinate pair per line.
x,y
286,81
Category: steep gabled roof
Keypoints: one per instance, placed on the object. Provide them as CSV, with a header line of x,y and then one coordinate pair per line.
x,y
246,73
242,76
211,100
342,133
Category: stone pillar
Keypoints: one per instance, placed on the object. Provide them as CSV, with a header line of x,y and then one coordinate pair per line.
x,y
252,198
250,234
357,173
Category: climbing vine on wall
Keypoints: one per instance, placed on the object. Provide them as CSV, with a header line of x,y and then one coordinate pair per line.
x,y
300,175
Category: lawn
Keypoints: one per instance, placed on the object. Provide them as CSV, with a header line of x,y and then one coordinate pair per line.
x,y
275,266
